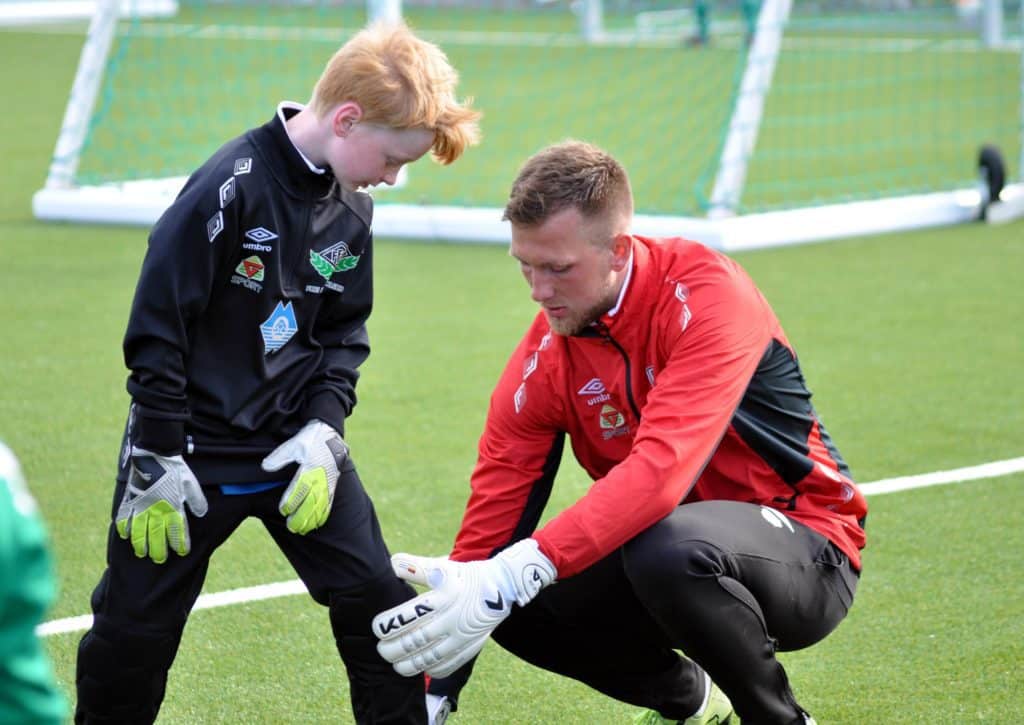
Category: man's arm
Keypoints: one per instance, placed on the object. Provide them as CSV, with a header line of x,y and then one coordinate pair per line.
x,y
518,456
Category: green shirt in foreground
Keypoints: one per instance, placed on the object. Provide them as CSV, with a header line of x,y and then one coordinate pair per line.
x,y
28,692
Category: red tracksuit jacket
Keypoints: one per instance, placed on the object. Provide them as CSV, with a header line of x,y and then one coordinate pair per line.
x,y
689,391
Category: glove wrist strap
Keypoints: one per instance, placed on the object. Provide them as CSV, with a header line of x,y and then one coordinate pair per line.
x,y
529,570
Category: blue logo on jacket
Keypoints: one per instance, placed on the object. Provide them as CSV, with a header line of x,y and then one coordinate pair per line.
x,y
278,328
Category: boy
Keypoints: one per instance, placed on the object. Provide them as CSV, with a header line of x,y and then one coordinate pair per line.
x,y
243,344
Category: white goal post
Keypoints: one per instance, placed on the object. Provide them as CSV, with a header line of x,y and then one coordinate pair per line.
x,y
141,202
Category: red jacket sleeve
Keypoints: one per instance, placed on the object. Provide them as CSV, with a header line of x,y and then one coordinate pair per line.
x,y
518,454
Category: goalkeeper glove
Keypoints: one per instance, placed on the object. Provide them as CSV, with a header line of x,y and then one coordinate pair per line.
x,y
319,450
442,629
152,510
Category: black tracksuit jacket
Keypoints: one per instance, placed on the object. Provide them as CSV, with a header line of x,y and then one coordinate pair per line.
x,y
249,317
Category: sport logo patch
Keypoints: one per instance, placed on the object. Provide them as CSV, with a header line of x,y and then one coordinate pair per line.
x,y
613,423
249,273
260,234
279,328
611,418
243,166
336,258
251,267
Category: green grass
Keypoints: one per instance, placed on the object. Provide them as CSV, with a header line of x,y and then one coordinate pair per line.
x,y
910,342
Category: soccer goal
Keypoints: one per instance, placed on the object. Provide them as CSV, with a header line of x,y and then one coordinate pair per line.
x,y
791,123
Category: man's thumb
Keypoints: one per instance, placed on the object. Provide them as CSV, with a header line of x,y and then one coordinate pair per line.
x,y
418,569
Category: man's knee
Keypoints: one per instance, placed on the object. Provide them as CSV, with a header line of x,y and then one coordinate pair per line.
x,y
662,555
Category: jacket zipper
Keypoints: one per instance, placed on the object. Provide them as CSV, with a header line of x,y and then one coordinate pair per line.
x,y
602,330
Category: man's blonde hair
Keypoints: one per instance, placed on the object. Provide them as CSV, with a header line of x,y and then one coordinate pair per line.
x,y
571,174
402,82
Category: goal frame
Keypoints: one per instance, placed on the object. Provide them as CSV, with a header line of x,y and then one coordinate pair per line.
x,y
142,202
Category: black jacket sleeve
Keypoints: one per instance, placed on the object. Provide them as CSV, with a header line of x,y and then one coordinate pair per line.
x,y
174,286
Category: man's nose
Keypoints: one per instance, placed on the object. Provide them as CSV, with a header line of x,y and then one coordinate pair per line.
x,y
541,288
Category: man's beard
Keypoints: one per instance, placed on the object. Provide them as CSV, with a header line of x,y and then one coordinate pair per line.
x,y
577,322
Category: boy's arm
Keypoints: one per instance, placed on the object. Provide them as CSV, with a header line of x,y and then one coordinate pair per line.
x,y
174,285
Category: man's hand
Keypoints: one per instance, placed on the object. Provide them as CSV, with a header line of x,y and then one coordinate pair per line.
x,y
152,510
319,450
440,630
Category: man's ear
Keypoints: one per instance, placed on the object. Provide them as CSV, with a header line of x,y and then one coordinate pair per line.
x,y
345,117
622,244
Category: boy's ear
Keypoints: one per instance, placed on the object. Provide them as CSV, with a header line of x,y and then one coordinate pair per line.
x,y
345,117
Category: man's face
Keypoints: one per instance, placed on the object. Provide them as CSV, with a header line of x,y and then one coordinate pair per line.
x,y
370,154
573,274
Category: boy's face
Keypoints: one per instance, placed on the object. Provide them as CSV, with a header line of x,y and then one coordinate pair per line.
x,y
370,154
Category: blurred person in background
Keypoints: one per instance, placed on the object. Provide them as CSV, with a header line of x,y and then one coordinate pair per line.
x,y
28,691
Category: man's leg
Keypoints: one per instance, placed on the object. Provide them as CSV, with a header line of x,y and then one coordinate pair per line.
x,y
730,583
346,566
592,628
139,613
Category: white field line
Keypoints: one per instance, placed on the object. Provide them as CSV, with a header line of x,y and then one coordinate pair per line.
x,y
282,589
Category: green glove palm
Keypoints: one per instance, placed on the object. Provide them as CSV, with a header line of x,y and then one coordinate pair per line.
x,y
152,510
319,450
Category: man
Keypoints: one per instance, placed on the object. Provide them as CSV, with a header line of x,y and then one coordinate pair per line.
x,y
243,344
28,692
722,520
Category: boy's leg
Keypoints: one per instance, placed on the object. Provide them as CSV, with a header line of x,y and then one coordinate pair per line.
x,y
139,613
346,566
730,583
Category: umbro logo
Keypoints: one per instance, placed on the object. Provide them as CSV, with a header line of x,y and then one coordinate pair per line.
x,y
260,234
593,387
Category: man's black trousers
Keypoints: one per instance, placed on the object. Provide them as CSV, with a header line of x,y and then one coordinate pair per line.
x,y
728,583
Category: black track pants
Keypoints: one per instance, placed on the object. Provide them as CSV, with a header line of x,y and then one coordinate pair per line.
x,y
140,608
727,583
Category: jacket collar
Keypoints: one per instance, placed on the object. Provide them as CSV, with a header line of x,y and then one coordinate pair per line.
x,y
633,289
287,164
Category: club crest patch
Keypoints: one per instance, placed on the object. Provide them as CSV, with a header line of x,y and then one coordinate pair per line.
x,y
279,328
336,258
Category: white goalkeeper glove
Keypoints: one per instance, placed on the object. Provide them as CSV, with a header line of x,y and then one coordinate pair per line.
x,y
442,629
319,450
152,510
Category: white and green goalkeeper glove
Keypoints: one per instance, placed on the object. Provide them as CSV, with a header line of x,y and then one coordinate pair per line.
x,y
152,510
442,629
319,450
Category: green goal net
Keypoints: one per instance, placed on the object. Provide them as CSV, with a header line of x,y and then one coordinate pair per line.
x,y
707,104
